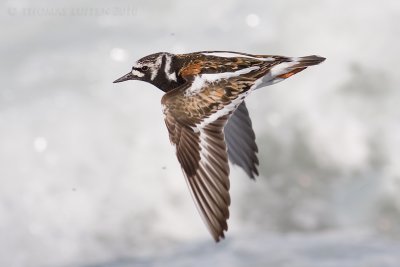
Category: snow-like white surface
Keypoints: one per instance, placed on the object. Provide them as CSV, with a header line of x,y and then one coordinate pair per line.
x,y
88,176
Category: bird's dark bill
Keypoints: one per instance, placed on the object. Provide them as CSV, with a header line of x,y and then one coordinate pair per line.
x,y
126,77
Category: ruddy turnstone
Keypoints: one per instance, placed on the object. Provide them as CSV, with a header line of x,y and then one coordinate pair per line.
x,y
207,118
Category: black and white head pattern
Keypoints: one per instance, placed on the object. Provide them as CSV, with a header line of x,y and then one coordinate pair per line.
x,y
158,70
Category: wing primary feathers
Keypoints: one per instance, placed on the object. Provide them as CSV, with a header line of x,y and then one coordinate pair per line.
x,y
203,157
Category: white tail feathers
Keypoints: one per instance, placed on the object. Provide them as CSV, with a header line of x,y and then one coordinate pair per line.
x,y
287,68
294,65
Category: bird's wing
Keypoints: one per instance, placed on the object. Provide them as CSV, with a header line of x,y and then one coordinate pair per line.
x,y
201,151
241,141
195,115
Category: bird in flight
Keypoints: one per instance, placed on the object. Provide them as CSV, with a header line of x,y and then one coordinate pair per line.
x,y
207,119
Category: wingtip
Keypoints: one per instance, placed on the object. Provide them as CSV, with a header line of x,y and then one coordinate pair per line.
x,y
219,237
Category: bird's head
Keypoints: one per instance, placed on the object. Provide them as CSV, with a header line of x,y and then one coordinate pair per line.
x,y
156,69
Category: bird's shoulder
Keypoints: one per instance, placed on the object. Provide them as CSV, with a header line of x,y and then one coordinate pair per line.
x,y
209,62
193,101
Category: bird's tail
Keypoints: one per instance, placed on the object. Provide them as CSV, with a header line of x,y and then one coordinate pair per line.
x,y
309,60
295,65
287,68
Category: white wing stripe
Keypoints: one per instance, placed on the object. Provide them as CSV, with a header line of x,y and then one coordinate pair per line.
x,y
226,110
229,55
206,155
199,81
213,77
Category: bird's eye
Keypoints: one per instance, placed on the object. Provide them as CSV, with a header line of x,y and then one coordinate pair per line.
x,y
144,68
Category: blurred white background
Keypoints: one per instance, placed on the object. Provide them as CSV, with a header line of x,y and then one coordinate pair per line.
x,y
87,174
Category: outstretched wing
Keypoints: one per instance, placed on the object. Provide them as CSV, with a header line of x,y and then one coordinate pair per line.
x,y
201,151
241,141
195,115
